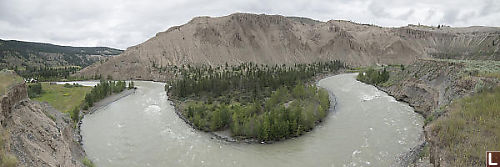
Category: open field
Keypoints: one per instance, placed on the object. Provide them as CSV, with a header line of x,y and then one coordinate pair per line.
x,y
62,98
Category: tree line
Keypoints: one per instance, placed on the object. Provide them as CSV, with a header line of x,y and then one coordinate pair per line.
x,y
246,77
103,89
47,73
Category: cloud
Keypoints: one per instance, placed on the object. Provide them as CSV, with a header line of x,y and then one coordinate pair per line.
x,y
124,23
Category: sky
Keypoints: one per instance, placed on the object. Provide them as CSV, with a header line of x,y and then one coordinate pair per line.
x,y
124,23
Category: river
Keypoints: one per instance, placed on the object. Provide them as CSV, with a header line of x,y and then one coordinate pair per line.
x,y
367,128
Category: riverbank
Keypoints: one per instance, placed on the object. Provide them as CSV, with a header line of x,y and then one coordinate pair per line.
x,y
98,105
110,99
430,86
412,156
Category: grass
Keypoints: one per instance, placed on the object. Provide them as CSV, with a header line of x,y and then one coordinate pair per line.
x,y
8,78
87,162
490,75
485,67
471,127
6,158
62,98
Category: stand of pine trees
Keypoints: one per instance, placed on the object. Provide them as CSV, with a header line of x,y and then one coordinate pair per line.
x,y
263,102
102,90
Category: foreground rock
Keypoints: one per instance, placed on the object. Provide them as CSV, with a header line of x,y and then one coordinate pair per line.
x,y
39,134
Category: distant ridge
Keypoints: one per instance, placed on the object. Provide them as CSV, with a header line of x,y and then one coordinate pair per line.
x,y
21,54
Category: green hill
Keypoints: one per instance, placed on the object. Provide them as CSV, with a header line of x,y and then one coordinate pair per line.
x,y
22,55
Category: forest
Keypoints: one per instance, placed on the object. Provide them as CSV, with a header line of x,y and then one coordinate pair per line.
x,y
267,103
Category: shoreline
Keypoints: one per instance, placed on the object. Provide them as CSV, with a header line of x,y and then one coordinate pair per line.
x,y
411,156
405,158
108,100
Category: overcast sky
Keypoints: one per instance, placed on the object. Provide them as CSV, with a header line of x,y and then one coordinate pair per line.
x,y
124,23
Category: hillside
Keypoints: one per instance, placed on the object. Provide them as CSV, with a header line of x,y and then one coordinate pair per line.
x,y
457,100
274,39
33,133
21,55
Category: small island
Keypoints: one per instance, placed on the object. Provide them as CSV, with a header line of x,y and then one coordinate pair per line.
x,y
253,102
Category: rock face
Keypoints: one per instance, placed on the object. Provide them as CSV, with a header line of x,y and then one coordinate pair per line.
x,y
39,135
430,86
274,39
15,94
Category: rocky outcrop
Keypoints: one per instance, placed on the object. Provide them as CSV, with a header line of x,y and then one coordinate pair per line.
x,y
427,84
14,95
430,86
274,39
39,134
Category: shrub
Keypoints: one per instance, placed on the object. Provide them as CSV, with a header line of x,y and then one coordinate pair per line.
x,y
34,90
75,114
87,162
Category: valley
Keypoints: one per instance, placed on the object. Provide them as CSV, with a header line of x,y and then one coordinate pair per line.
x,y
256,90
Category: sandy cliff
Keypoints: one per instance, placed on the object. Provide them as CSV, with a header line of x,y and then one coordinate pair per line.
x,y
274,39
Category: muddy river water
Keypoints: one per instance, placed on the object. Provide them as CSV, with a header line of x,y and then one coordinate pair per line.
x,y
367,128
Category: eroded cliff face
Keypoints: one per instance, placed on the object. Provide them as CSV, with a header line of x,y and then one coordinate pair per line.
x,y
39,134
274,39
430,86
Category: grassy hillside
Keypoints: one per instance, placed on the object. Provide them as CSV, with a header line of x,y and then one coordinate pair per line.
x,y
471,127
459,100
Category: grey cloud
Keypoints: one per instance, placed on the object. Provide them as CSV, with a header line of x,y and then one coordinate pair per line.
x,y
450,16
431,13
124,23
406,15
378,10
